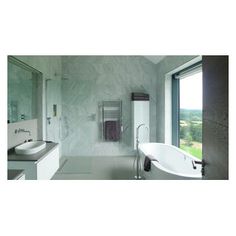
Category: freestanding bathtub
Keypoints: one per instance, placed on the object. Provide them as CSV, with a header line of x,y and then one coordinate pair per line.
x,y
171,162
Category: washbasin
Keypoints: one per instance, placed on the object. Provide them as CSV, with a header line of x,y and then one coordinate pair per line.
x,y
30,147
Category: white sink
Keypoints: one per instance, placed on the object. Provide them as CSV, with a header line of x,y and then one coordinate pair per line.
x,y
30,147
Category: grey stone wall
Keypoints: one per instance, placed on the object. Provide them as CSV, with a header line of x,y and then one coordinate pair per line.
x,y
215,116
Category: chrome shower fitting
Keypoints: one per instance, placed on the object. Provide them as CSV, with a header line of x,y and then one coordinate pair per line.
x,y
17,131
137,161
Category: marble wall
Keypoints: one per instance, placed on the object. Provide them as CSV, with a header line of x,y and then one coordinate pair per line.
x,y
15,139
88,80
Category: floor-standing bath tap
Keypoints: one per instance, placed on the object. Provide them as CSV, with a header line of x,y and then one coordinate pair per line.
x,y
137,159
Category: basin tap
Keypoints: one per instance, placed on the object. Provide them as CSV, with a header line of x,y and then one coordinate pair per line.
x,y
22,131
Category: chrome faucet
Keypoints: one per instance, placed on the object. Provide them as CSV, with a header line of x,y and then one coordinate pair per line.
x,y
202,163
22,131
138,164
137,134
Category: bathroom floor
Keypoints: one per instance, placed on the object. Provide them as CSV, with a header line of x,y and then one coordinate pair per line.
x,y
96,168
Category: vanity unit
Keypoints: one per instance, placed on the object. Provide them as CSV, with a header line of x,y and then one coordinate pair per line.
x,y
40,165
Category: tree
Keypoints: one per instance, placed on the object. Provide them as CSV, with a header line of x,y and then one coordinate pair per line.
x,y
196,132
188,140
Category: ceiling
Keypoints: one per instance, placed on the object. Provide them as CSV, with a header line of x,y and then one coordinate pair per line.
x,y
154,59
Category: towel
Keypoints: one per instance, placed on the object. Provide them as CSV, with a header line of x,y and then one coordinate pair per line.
x,y
112,131
147,164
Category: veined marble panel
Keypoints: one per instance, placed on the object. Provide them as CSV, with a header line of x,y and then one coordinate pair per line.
x,y
88,80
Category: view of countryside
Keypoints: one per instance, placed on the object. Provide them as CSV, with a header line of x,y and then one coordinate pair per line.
x,y
190,114
191,132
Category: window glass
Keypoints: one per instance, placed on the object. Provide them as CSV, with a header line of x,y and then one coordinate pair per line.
x,y
190,114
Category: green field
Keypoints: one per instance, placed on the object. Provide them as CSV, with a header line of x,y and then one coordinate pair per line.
x,y
197,152
191,132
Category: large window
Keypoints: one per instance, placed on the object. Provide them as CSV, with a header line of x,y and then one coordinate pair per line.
x,y
187,110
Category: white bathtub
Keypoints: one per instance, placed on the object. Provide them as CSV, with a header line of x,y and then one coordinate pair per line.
x,y
173,163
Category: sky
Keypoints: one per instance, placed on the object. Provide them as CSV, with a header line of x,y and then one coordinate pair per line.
x,y
191,92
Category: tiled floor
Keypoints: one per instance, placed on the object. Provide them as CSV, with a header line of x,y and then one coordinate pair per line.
x,y
96,168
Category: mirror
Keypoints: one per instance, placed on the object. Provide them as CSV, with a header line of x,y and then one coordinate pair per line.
x,y
22,91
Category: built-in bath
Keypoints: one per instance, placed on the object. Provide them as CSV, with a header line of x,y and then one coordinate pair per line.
x,y
172,162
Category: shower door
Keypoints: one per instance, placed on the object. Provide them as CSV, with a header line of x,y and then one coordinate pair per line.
x,y
53,111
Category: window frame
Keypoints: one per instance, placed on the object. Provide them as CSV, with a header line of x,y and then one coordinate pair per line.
x,y
176,101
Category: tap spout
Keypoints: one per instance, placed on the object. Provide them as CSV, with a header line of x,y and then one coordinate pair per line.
x,y
17,131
